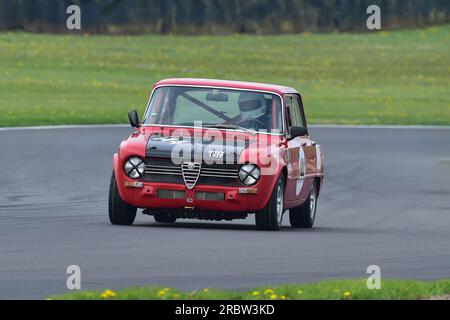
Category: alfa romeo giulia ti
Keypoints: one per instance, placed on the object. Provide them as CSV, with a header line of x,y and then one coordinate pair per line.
x,y
218,150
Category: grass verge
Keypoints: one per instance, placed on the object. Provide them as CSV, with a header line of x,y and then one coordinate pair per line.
x,y
355,289
395,77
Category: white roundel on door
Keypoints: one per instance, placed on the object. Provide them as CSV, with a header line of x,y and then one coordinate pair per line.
x,y
319,159
289,162
302,170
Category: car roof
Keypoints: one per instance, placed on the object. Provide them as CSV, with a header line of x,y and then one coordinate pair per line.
x,y
227,84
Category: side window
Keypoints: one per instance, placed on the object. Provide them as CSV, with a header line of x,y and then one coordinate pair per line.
x,y
297,110
289,119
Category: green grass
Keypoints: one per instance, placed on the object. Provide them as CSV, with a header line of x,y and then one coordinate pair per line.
x,y
329,290
398,77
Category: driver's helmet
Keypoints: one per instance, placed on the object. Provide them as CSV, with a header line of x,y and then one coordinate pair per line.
x,y
252,105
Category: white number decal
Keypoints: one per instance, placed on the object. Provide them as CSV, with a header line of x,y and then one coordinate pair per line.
x,y
302,170
318,159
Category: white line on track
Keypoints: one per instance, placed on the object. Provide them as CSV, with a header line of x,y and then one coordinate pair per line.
x,y
326,126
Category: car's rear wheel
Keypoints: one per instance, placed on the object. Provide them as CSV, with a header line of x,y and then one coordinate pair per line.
x,y
270,218
164,218
120,212
304,215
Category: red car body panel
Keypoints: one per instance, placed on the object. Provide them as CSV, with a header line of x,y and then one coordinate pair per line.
x,y
286,155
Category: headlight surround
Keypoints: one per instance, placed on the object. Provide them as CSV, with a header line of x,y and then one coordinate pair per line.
x,y
249,174
134,167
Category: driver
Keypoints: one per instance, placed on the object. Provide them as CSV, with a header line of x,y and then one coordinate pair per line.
x,y
254,110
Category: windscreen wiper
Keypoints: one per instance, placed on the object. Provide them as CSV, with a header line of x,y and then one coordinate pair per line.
x,y
229,126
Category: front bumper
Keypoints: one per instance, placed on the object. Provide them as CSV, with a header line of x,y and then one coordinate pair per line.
x,y
175,196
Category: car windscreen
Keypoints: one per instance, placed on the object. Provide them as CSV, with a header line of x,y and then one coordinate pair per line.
x,y
189,106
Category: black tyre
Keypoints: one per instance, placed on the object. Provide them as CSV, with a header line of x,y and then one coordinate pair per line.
x,y
271,216
120,213
164,218
304,215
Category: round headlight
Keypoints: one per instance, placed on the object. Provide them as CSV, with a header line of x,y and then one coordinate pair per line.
x,y
249,174
134,168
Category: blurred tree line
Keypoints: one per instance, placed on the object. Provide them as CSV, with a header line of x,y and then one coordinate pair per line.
x,y
218,16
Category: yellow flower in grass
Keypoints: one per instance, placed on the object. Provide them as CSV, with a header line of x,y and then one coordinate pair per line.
x,y
255,293
273,297
283,297
269,291
206,290
161,293
347,294
107,294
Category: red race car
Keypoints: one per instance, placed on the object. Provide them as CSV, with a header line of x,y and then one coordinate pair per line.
x,y
216,149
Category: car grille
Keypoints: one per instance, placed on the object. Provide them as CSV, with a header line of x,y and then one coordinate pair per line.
x,y
191,173
164,170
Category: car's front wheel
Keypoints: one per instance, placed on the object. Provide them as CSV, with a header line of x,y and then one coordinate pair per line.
x,y
120,212
271,216
304,215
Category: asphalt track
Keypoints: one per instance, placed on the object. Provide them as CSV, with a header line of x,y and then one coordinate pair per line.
x,y
385,201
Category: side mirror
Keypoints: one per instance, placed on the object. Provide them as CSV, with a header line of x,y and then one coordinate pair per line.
x,y
298,132
134,119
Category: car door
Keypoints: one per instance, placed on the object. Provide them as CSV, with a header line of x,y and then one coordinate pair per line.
x,y
302,154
